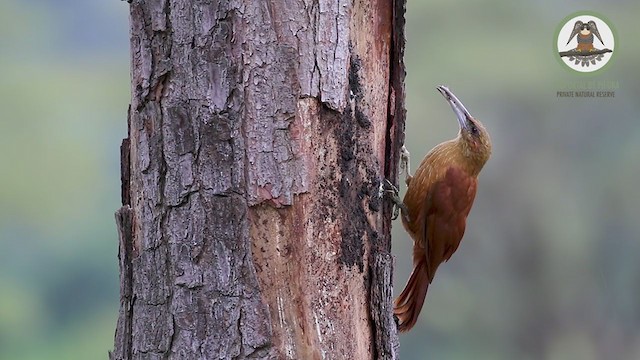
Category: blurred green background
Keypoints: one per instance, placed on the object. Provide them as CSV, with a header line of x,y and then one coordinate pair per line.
x,y
548,268
64,91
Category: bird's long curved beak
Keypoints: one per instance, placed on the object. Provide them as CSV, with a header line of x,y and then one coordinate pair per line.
x,y
463,115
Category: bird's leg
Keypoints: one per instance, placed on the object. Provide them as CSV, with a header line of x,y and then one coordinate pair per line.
x,y
386,187
404,165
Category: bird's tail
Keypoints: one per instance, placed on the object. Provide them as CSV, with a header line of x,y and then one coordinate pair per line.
x,y
408,305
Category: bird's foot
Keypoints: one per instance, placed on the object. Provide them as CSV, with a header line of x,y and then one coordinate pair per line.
x,y
386,187
404,164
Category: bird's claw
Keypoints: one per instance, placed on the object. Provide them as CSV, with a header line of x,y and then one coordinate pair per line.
x,y
388,188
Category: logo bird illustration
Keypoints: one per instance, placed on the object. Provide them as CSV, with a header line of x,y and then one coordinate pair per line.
x,y
585,33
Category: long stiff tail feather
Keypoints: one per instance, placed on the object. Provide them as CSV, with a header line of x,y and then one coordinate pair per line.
x,y
408,305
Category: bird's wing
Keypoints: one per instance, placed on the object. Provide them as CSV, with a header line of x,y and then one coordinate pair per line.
x,y
576,29
447,211
594,29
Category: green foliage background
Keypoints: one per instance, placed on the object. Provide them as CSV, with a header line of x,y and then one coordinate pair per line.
x,y
548,268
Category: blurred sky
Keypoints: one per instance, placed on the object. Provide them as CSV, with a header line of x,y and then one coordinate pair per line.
x,y
548,268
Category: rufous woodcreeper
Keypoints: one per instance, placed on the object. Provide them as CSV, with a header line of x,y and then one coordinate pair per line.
x,y
438,199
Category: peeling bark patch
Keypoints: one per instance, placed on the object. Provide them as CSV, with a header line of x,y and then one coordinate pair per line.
x,y
356,93
355,173
269,82
278,249
332,51
349,206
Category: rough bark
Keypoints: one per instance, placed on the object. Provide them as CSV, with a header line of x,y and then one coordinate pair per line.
x,y
252,226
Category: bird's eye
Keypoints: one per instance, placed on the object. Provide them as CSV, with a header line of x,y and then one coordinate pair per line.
x,y
474,129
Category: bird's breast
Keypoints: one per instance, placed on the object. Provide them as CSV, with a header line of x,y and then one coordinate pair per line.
x,y
443,192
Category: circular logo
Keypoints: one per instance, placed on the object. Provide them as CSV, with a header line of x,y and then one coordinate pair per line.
x,y
585,42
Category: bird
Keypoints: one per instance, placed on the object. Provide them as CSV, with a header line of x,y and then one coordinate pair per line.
x,y
585,32
437,202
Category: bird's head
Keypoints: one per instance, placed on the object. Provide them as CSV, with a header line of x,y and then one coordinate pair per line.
x,y
473,137
585,29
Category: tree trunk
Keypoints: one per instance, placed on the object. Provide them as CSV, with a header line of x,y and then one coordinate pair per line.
x,y
259,133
